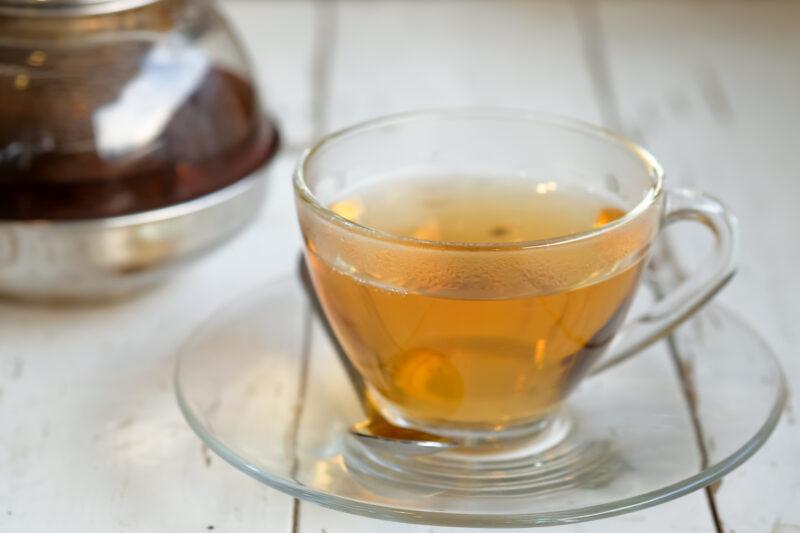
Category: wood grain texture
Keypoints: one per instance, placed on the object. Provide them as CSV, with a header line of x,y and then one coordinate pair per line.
x,y
711,88
279,37
396,56
90,437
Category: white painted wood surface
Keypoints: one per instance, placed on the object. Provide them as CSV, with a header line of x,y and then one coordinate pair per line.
x,y
90,437
712,89
389,57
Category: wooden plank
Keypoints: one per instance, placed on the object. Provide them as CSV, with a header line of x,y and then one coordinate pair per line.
x,y
90,437
278,37
88,415
711,88
395,56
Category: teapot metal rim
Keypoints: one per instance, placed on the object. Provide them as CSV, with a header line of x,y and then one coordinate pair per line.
x,y
69,8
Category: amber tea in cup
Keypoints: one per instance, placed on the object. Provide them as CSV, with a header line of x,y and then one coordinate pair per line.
x,y
475,266
463,358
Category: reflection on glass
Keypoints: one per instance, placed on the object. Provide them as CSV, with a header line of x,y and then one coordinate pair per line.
x,y
122,113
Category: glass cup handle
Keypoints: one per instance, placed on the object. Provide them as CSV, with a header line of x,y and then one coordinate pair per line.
x,y
684,300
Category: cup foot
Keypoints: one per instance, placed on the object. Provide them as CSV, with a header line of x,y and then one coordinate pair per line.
x,y
549,459
469,435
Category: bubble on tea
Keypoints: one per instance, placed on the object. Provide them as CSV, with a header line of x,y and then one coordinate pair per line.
x,y
351,208
608,215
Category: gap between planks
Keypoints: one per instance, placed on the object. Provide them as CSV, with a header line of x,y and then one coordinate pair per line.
x,y
596,57
325,29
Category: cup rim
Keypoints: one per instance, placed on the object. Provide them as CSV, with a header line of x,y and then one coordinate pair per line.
x,y
651,166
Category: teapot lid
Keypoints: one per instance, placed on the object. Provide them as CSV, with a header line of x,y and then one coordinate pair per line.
x,y
67,7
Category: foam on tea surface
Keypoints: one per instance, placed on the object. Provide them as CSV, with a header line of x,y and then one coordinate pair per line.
x,y
475,210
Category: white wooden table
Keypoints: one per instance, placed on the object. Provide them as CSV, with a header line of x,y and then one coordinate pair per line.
x,y
90,437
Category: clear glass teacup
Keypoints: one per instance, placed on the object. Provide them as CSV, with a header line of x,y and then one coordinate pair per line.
x,y
476,265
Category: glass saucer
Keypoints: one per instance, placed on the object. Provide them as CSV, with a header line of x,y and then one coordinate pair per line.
x,y
260,384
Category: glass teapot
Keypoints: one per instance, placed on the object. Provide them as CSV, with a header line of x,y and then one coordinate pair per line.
x,y
111,107
130,138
